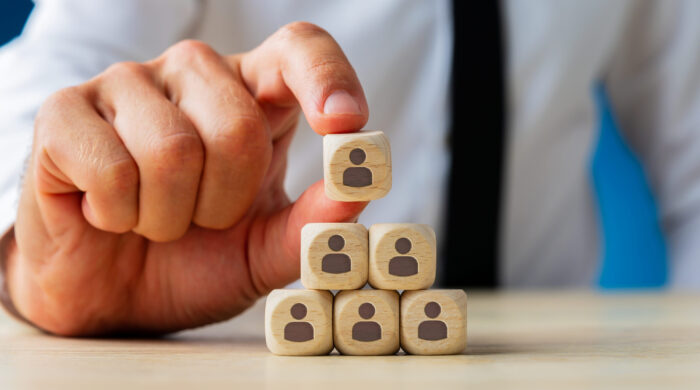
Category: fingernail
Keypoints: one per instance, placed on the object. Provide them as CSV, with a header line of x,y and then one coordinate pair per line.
x,y
341,102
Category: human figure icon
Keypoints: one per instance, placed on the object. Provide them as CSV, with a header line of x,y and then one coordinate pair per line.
x,y
403,265
432,330
366,330
298,331
336,263
357,176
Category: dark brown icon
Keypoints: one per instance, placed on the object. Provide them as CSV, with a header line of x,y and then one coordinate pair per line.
x,y
298,331
403,265
335,263
366,330
432,330
357,176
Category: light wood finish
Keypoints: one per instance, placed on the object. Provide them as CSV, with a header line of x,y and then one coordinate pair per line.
x,y
348,320
315,246
383,239
517,340
419,314
336,160
316,315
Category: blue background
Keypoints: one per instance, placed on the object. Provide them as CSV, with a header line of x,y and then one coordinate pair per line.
x,y
634,250
633,247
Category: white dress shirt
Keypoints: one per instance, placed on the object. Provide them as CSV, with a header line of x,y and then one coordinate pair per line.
x,y
645,52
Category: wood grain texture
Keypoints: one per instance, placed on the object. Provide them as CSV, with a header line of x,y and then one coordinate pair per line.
x,y
316,314
520,339
337,149
315,246
449,309
348,319
383,250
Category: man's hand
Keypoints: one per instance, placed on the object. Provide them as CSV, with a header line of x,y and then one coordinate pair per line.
x,y
154,200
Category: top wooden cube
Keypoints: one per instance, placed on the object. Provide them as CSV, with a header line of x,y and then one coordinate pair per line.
x,y
357,166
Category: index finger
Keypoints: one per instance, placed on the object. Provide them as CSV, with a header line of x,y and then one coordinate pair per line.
x,y
302,63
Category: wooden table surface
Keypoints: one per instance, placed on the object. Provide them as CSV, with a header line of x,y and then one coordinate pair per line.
x,y
516,340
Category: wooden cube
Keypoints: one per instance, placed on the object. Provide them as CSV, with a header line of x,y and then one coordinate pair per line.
x,y
356,166
334,256
299,322
366,322
401,256
434,322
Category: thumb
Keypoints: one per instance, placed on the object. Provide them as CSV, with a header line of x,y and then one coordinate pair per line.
x,y
301,63
275,242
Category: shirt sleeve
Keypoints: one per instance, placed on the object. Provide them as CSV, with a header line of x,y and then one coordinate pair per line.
x,y
654,87
66,42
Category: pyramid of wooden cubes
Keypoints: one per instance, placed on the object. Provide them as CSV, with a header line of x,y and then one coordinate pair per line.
x,y
344,257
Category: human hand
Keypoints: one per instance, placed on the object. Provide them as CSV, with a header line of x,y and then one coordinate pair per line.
x,y
153,200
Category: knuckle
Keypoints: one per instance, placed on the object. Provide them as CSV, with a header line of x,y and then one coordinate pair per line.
x,y
297,30
127,69
55,104
178,152
62,97
254,127
51,118
242,132
190,51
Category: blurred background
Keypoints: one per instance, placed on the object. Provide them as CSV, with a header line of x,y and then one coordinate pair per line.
x,y
633,253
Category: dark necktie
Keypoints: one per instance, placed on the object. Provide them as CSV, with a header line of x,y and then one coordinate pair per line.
x,y
471,251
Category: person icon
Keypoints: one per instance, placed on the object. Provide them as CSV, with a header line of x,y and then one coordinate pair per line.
x,y
432,330
298,331
357,176
336,263
366,330
403,265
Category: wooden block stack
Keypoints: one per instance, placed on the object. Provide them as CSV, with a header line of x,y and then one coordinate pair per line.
x,y
345,256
